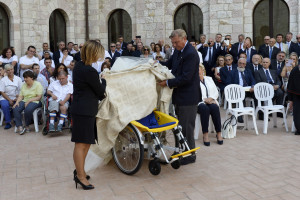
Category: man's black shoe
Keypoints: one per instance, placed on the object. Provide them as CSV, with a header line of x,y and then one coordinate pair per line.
x,y
188,160
297,133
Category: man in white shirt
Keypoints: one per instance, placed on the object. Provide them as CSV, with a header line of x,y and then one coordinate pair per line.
x,y
40,77
282,46
118,47
202,41
45,49
28,60
60,92
218,39
42,62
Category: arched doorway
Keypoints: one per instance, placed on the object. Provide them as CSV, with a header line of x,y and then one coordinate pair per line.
x,y
119,23
4,28
57,29
189,17
270,17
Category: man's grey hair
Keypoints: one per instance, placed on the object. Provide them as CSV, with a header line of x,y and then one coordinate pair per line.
x,y
240,59
241,35
229,55
62,73
8,66
178,32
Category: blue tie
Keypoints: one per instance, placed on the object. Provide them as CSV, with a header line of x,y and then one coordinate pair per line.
x,y
269,77
248,55
278,69
244,80
270,54
209,55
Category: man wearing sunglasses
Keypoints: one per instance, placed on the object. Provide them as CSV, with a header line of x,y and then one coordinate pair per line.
x,y
113,53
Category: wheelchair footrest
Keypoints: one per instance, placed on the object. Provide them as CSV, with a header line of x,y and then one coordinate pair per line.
x,y
186,153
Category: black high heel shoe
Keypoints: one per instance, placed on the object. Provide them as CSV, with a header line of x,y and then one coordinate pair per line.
x,y
75,174
220,142
206,143
85,187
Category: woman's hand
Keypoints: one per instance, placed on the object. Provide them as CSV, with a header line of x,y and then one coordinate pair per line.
x,y
26,104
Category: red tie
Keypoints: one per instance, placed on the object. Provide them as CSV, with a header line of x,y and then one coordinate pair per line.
x,y
279,47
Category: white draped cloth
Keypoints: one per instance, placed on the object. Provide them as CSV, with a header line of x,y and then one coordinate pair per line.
x,y
132,93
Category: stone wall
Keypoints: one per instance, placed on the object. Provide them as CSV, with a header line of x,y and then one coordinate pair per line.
x,y
152,19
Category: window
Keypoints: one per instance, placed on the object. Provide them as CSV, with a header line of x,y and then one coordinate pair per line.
x,y
270,17
4,29
189,17
119,23
57,26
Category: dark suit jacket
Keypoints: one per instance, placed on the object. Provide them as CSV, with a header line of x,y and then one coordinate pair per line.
x,y
127,53
274,53
295,48
87,90
113,58
234,51
216,53
185,68
260,76
137,53
234,77
252,52
273,66
291,46
250,67
262,49
77,57
124,46
225,74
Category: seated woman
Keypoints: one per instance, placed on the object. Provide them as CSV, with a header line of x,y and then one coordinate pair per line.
x,y
8,56
28,100
10,87
285,73
146,52
60,67
60,92
220,63
209,106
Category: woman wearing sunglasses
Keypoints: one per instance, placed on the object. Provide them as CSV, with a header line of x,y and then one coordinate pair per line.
x,y
146,52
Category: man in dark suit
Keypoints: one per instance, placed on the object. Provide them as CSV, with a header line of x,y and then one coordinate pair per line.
x,y
288,41
57,54
209,54
272,51
123,44
236,47
226,70
254,66
242,76
113,53
248,51
278,64
296,47
270,76
128,51
139,50
186,94
263,47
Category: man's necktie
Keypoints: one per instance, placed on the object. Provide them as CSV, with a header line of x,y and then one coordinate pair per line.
x,y
229,68
299,44
278,69
279,47
270,54
248,55
240,46
255,68
268,77
218,45
209,55
244,80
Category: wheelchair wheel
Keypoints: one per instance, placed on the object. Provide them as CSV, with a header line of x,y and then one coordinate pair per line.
x,y
176,164
168,138
128,152
154,167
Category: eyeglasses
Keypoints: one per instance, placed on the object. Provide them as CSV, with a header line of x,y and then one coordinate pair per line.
x,y
146,49
112,46
158,57
32,51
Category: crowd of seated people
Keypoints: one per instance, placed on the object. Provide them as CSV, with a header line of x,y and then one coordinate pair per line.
x,y
225,62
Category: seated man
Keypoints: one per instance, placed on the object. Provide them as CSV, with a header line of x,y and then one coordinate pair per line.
x,y
60,92
270,76
48,70
40,77
226,71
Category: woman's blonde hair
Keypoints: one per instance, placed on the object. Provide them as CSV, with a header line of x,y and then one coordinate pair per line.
x,y
296,55
91,52
201,66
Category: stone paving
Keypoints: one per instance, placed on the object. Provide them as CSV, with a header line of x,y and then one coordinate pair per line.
x,y
250,167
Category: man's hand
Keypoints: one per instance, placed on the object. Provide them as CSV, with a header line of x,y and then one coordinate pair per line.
x,y
11,103
291,105
163,83
251,89
205,45
276,87
54,97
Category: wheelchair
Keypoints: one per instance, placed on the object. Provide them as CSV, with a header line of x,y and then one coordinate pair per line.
x,y
67,122
157,137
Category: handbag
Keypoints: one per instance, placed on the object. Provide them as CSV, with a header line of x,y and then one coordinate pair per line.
x,y
227,127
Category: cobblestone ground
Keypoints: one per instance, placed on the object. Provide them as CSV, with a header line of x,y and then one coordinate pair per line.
x,y
251,167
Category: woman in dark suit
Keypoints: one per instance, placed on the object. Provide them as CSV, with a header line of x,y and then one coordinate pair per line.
x,y
87,92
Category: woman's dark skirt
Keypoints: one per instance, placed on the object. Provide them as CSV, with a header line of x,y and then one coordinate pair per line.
x,y
84,129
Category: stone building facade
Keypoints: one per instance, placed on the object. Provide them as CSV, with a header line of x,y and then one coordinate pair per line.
x,y
152,19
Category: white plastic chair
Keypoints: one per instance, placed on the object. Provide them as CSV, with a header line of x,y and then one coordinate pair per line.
x,y
293,130
220,96
235,94
198,126
35,118
1,117
264,92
